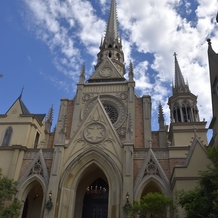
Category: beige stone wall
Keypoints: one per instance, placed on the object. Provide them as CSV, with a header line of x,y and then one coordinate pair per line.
x,y
5,160
69,112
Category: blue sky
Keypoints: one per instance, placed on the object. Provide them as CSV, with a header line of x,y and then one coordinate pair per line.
x,y
43,44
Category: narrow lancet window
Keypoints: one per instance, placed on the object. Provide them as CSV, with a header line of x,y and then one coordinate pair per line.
x,y
7,136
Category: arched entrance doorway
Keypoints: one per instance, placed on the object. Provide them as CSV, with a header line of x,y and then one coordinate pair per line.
x,y
33,203
95,202
91,199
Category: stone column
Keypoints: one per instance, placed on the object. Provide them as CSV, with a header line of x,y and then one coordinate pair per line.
x,y
147,119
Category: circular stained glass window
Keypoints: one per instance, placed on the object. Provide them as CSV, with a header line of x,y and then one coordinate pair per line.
x,y
111,112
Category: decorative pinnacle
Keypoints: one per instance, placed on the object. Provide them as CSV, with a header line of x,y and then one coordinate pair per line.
x,y
82,74
131,73
160,116
50,114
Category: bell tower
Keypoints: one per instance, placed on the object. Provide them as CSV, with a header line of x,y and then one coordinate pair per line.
x,y
111,43
183,110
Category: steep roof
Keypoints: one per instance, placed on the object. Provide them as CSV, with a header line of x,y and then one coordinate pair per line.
x,y
112,25
180,85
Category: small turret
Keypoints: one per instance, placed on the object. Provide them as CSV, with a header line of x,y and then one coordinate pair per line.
x,y
183,104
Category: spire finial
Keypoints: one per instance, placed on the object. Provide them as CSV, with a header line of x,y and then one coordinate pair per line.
x,y
21,92
180,85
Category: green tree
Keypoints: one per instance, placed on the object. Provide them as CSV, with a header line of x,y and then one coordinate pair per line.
x,y
7,192
203,200
151,205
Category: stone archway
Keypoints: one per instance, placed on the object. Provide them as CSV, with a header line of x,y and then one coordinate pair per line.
x,y
32,194
151,187
151,184
81,174
95,200
33,204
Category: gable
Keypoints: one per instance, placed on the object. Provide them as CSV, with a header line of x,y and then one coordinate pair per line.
x,y
151,169
16,108
107,70
196,161
37,167
95,132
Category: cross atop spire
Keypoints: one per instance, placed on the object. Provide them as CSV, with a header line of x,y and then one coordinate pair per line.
x,y
112,24
180,85
21,93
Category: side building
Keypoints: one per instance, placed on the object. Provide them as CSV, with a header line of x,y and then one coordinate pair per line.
x,y
213,70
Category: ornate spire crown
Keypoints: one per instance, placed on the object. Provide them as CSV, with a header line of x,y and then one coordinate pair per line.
x,y
112,25
179,84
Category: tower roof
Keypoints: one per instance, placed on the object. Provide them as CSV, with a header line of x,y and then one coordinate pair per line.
x,y
112,25
179,84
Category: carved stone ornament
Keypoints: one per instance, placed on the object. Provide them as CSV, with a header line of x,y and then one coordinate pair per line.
x,y
106,72
95,133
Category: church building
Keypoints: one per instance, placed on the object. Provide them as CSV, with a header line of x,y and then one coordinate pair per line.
x,y
213,66
103,152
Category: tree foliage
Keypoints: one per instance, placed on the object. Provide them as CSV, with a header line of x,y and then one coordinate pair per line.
x,y
203,200
152,204
7,192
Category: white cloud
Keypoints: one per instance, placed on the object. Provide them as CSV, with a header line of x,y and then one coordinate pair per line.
x,y
151,26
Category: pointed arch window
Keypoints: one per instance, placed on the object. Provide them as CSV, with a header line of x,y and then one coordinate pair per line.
x,y
110,46
176,113
186,110
36,140
7,136
110,55
195,113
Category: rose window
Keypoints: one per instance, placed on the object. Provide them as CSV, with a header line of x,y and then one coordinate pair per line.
x,y
111,112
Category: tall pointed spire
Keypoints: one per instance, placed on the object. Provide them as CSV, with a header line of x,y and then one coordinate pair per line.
x,y
111,46
112,25
180,85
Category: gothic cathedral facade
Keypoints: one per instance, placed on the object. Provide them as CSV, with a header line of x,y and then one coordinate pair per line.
x,y
103,149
